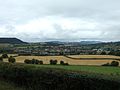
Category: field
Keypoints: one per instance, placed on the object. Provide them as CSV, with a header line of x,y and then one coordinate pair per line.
x,y
94,69
59,77
84,59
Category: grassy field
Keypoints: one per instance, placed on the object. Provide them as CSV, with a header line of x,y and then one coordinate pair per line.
x,y
59,77
94,69
46,59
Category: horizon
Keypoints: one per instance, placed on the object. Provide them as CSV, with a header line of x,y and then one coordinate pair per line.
x,y
82,40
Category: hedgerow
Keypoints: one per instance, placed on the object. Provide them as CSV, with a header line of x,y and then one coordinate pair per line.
x,y
41,78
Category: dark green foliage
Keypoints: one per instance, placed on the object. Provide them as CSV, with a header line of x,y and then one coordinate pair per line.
x,y
33,61
114,63
27,61
107,64
61,62
103,53
65,64
1,58
11,59
53,62
54,79
4,56
40,62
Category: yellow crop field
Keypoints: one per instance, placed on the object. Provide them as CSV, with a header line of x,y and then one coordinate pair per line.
x,y
94,56
46,59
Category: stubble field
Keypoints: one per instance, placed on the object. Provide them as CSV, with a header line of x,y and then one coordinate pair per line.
x,y
75,60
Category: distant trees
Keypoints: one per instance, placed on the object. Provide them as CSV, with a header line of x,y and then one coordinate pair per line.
x,y
117,53
103,53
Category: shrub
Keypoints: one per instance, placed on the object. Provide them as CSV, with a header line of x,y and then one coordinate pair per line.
x,y
53,62
34,61
4,56
40,62
27,61
61,62
11,59
1,58
107,64
65,64
114,63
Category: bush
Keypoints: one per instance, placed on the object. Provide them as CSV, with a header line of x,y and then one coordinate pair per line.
x,y
4,56
1,58
40,62
107,64
61,62
114,63
11,59
34,61
32,78
65,64
27,61
53,62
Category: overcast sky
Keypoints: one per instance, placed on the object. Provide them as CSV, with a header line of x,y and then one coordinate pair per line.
x,y
65,20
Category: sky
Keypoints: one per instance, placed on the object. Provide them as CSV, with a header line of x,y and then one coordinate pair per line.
x,y
60,20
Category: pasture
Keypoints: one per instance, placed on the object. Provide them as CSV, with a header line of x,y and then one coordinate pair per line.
x,y
92,69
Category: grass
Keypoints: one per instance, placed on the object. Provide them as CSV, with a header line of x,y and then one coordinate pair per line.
x,y
94,69
7,86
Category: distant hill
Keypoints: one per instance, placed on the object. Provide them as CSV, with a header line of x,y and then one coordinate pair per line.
x,y
90,42
11,41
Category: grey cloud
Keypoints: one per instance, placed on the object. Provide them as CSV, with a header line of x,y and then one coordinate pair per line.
x,y
104,12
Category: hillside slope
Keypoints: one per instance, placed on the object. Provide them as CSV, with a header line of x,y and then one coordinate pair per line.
x,y
11,41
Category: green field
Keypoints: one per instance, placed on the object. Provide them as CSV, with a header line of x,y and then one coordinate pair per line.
x,y
94,69
59,77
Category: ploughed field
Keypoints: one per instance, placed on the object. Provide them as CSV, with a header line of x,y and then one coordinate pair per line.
x,y
72,59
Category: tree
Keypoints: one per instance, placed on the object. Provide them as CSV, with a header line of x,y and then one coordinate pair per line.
x,y
4,56
53,62
103,53
114,63
27,61
11,59
40,62
61,62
